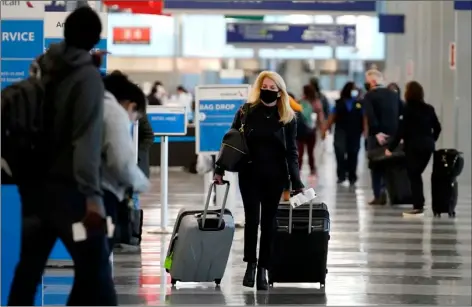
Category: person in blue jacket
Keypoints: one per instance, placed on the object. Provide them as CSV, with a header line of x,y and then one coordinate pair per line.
x,y
348,115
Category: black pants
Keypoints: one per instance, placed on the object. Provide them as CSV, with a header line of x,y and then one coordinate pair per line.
x,y
416,162
346,149
47,215
112,205
261,196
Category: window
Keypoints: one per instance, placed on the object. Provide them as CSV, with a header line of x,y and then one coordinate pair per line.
x,y
162,35
205,36
370,44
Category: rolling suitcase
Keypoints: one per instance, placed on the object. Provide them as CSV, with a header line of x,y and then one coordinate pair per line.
x,y
447,166
397,184
444,193
201,243
300,251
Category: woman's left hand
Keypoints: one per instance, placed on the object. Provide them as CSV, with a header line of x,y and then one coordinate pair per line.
x,y
388,153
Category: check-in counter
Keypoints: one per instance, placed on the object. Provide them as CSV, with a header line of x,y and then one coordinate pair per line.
x,y
181,149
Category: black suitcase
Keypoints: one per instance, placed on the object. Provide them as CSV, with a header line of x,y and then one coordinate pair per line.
x,y
397,184
448,163
444,194
300,251
447,166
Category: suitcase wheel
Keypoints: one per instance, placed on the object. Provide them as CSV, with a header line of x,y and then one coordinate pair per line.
x,y
452,214
217,281
271,284
173,282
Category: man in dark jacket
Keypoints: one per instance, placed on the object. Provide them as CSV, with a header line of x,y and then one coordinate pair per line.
x,y
145,141
382,110
68,197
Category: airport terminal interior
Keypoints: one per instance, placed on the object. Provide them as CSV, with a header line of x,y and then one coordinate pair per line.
x,y
376,256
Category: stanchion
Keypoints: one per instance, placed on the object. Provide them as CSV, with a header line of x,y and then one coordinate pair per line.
x,y
165,121
164,186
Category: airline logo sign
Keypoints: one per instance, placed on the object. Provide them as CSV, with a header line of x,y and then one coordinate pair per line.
x,y
22,9
132,35
22,39
54,24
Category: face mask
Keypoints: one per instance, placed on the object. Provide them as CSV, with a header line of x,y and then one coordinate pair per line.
x,y
354,93
268,96
367,86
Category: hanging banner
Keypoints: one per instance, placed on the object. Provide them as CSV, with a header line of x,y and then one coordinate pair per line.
x,y
22,38
215,107
267,6
54,31
266,33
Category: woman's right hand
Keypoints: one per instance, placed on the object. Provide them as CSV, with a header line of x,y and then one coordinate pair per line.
x,y
218,179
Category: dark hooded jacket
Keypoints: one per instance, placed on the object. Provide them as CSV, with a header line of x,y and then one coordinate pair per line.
x,y
75,118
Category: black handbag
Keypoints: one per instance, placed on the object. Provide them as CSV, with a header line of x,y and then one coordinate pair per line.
x,y
234,151
377,157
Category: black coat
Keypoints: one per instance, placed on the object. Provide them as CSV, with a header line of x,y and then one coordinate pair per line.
x,y
287,136
145,141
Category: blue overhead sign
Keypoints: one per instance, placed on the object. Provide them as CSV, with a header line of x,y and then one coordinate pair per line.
x,y
263,33
22,39
167,120
270,5
463,5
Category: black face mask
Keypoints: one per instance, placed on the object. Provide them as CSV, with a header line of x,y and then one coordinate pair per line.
x,y
367,86
268,96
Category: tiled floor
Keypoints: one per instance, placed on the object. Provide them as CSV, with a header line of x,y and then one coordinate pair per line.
x,y
375,256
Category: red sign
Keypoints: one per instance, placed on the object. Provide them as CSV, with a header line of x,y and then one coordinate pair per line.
x,y
137,7
132,35
452,56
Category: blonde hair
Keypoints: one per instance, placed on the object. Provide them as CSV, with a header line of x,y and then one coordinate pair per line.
x,y
375,75
283,102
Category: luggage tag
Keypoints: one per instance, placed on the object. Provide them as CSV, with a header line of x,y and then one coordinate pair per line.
x,y
302,198
168,262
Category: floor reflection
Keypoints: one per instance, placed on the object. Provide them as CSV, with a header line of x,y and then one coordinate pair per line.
x,y
375,255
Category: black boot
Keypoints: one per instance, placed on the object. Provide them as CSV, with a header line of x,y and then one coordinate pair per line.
x,y
262,283
250,275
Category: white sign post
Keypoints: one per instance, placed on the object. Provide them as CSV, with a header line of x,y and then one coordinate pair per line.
x,y
166,121
215,108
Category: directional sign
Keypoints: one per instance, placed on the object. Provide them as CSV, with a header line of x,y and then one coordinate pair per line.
x,y
215,107
167,120
263,33
267,6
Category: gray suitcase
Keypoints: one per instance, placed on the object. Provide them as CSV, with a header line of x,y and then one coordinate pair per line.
x,y
201,243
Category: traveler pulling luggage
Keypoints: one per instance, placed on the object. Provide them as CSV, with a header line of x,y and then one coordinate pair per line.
x,y
201,243
447,166
301,244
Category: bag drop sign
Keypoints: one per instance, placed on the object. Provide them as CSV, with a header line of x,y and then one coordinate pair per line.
x,y
18,37
218,106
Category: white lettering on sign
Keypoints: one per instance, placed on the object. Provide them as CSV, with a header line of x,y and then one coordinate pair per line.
x,y
164,118
227,107
206,107
18,37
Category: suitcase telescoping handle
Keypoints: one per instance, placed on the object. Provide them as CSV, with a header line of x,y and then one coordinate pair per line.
x,y
310,217
223,205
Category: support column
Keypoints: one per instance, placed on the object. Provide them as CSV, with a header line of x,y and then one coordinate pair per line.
x,y
463,96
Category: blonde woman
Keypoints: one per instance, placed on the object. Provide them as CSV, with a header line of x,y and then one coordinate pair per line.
x,y
270,131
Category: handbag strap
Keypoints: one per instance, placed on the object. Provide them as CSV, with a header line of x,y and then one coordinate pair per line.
x,y
243,115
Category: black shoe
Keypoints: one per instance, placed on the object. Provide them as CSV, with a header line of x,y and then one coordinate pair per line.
x,y
262,283
383,198
340,181
250,275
